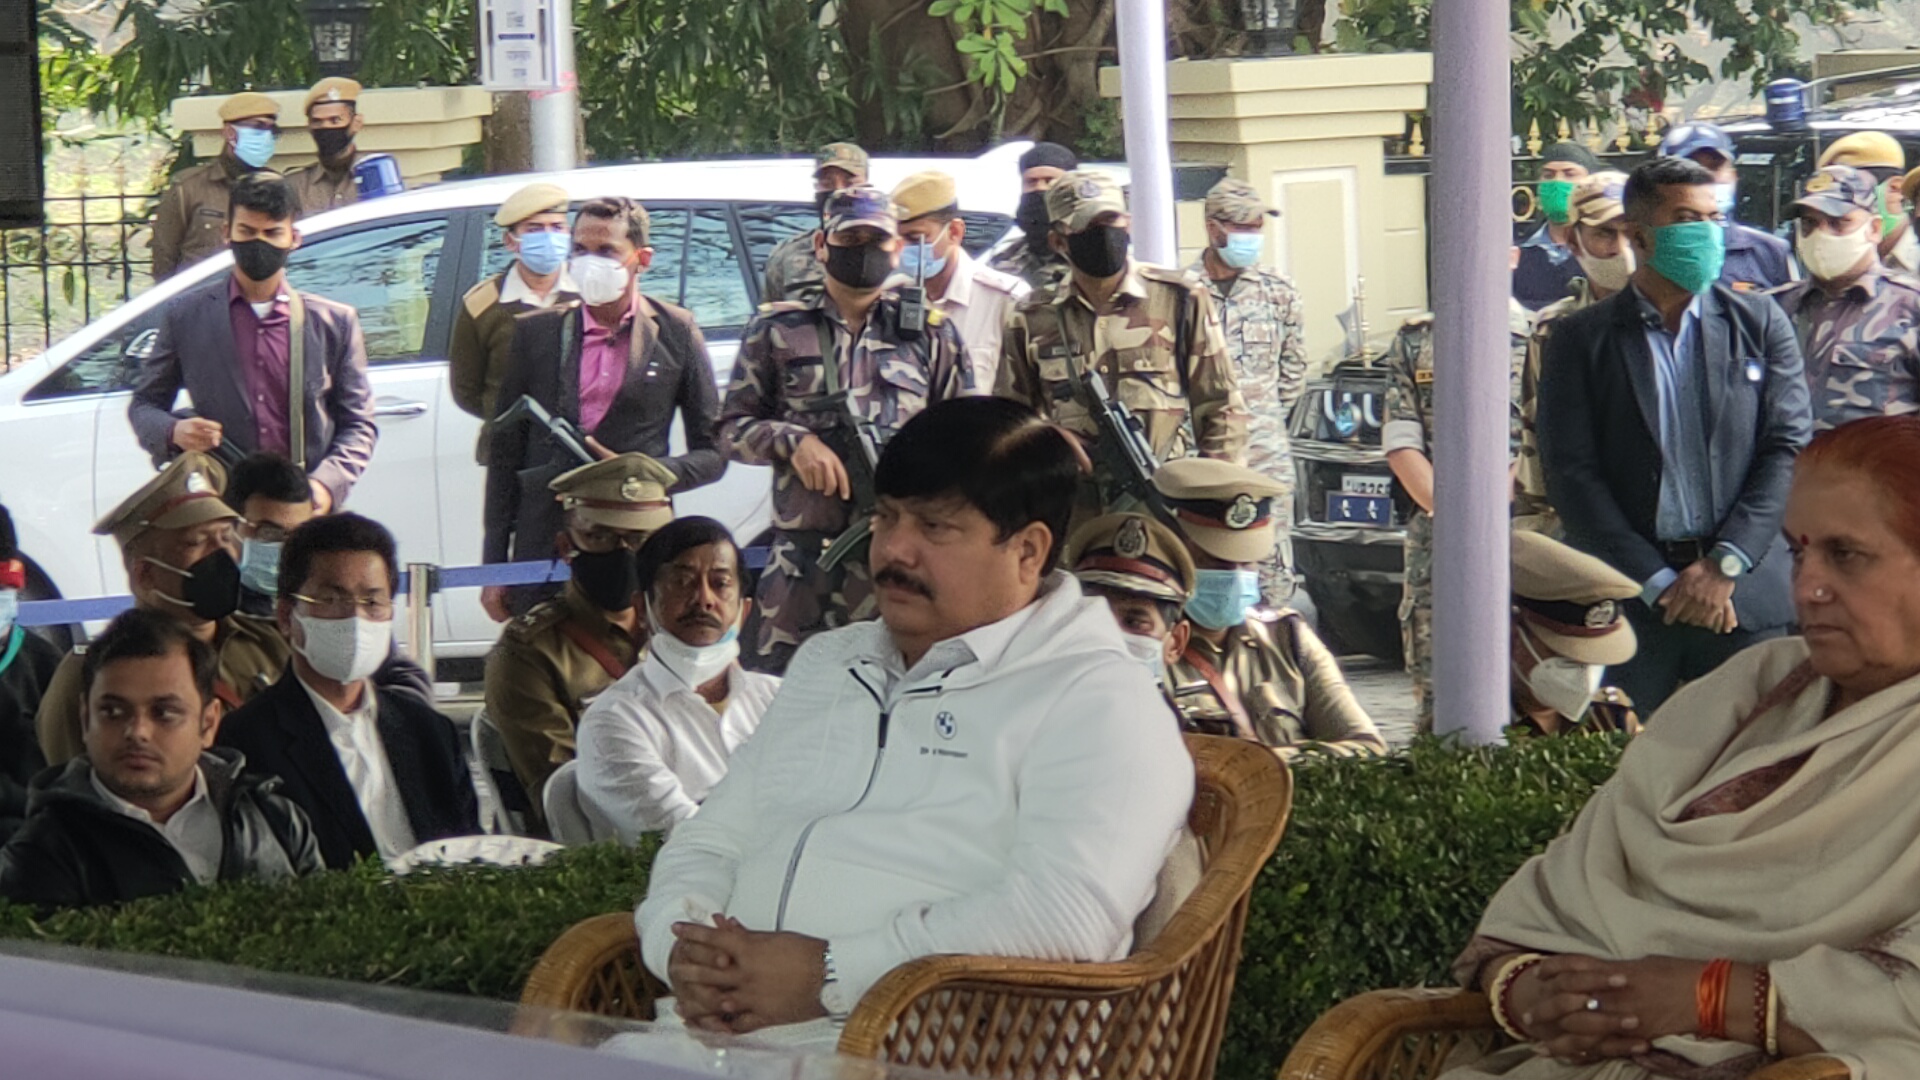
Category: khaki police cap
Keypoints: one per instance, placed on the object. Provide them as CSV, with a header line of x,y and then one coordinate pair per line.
x,y
1571,601
185,493
1133,554
1599,198
533,199
1910,187
332,91
1226,510
628,491
844,156
923,193
1076,198
1866,150
247,106
1235,202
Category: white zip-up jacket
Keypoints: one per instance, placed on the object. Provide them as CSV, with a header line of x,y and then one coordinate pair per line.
x,y
1014,794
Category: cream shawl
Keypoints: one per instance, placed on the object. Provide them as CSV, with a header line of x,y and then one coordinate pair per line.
x,y
1821,878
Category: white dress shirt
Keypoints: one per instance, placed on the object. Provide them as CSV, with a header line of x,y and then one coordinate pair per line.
x,y
977,299
356,739
193,830
649,748
516,290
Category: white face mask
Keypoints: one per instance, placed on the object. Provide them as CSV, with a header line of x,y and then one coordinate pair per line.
x,y
600,280
1563,685
344,650
1827,256
695,665
1610,274
1149,651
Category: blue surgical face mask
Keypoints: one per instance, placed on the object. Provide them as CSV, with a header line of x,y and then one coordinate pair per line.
x,y
1725,195
253,146
9,611
260,566
543,253
1221,598
914,258
1241,249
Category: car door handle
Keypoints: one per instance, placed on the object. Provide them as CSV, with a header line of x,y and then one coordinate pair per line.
x,y
400,408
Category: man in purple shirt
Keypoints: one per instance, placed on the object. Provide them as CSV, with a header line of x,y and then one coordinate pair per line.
x,y
231,345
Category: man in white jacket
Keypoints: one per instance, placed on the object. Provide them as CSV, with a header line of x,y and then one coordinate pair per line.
x,y
984,770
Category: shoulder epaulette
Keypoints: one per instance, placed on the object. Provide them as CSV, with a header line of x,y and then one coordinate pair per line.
x,y
1172,275
482,296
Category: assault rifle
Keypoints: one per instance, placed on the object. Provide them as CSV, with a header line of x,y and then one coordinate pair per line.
x,y
1124,450
857,443
558,428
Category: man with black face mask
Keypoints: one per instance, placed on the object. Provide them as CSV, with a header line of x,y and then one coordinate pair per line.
x,y
1030,258
798,360
334,121
792,271
177,539
269,368
565,652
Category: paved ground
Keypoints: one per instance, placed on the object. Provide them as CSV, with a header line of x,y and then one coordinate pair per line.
x,y
1385,693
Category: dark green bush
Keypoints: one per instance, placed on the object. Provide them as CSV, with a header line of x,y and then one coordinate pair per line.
x,y
1379,882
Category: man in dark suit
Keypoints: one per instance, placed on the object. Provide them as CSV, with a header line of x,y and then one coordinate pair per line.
x,y
619,365
377,771
232,345
1669,418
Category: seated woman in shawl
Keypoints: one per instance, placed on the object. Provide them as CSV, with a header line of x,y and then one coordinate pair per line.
x,y
1748,883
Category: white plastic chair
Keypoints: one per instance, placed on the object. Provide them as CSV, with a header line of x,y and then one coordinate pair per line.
x,y
571,819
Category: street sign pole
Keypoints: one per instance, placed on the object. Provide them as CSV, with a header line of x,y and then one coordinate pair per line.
x,y
527,46
556,112
1143,105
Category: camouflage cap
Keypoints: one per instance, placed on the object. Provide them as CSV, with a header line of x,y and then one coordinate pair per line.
x,y
627,491
332,91
860,205
1572,602
248,106
923,193
1838,190
184,494
844,156
1225,510
1076,198
1134,554
1866,150
1235,202
542,198
1599,198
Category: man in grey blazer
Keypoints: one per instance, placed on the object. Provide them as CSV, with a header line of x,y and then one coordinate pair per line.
x,y
231,344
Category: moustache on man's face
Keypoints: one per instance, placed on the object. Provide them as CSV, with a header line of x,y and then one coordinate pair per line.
x,y
900,579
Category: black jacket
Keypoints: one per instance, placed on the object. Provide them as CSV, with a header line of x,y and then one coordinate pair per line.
x,y
22,683
76,850
1598,422
282,733
668,372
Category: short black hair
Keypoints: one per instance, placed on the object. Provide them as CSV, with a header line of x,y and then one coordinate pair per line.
x,y
138,634
1641,200
264,192
1169,610
331,533
996,454
9,540
675,539
616,209
268,475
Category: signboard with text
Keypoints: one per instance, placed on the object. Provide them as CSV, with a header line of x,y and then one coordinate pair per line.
x,y
517,46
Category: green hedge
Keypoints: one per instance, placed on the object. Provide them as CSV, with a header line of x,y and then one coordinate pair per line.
x,y
1379,881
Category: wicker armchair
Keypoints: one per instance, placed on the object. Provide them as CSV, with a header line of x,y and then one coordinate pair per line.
x,y
1408,1035
1157,1015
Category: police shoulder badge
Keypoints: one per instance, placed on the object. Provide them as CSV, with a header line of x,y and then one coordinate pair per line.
x,y
1242,513
1131,541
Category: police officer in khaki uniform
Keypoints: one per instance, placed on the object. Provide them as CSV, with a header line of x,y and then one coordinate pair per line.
x,y
1568,627
177,538
1142,570
792,271
534,225
554,659
1150,332
334,121
191,220
1251,671
974,297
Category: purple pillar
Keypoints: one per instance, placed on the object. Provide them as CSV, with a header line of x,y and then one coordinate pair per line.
x,y
1471,178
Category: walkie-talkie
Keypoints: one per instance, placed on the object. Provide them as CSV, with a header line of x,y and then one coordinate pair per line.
x,y
913,298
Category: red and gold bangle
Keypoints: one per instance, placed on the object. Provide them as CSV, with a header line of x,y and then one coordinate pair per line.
x,y
1762,991
1501,990
1710,999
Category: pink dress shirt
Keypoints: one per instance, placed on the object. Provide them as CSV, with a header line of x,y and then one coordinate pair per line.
x,y
603,363
262,347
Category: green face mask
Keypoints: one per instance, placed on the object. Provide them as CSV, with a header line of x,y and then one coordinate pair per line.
x,y
1689,254
1556,198
1888,221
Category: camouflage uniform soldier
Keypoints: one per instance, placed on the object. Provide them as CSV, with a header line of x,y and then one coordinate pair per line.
x,y
191,221
1150,332
792,271
1260,318
796,358
1858,320
1030,258
1407,437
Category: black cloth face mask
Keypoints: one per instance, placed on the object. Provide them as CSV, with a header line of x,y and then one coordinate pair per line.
x,y
607,578
331,142
859,266
1099,250
257,259
1033,221
210,588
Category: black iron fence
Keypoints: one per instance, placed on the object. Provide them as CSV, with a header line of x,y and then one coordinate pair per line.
x,y
91,256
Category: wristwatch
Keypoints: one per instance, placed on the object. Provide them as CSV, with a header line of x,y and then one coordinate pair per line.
x,y
832,994
1729,561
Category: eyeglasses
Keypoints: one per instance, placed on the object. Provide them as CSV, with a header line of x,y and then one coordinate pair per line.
x,y
599,540
266,532
341,606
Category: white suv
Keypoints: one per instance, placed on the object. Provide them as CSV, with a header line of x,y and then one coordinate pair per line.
x,y
67,452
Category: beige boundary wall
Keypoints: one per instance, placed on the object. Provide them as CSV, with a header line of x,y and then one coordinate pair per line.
x,y
426,129
1308,132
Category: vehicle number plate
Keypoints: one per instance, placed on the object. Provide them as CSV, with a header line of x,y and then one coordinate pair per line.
x,y
1363,484
1345,508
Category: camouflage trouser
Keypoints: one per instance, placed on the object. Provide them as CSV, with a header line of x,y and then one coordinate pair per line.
x,y
1416,616
797,599
1275,461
